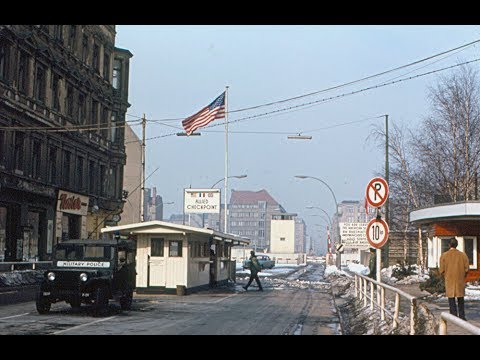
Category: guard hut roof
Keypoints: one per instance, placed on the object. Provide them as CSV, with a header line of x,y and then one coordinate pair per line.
x,y
164,227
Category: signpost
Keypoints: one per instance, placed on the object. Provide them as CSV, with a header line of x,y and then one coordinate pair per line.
x,y
377,229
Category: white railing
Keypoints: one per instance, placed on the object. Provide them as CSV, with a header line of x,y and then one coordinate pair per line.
x,y
445,317
365,285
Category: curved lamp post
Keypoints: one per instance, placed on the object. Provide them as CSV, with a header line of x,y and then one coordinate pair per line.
x,y
319,208
336,211
211,187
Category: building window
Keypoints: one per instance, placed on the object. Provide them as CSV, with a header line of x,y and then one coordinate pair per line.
x,y
91,177
94,113
4,50
58,32
67,159
55,92
72,37
82,109
19,147
104,122
117,71
2,148
96,58
103,180
40,84
79,174
175,248
22,72
52,165
282,239
85,48
69,100
113,127
467,244
36,158
106,65
157,247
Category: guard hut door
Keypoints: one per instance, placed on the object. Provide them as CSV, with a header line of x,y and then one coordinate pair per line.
x,y
156,263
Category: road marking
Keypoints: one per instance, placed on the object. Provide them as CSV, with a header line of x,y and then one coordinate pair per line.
x,y
223,298
83,325
8,292
13,316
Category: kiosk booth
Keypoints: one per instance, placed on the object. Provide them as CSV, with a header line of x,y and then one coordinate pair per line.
x,y
179,258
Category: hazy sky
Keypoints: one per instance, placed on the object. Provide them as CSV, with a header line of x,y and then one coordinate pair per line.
x,y
176,70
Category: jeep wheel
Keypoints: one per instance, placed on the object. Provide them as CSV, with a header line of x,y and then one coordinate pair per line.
x,y
43,305
101,301
126,300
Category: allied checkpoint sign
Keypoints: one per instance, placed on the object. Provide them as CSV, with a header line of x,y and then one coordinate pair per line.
x,y
201,201
377,191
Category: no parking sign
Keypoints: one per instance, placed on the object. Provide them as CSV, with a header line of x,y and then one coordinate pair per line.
x,y
377,191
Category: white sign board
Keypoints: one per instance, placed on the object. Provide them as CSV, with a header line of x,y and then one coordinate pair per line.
x,y
354,234
201,201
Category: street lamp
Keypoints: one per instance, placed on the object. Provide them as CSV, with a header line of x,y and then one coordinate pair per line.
x,y
233,176
319,208
336,212
211,187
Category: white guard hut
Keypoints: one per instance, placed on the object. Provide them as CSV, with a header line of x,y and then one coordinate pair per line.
x,y
179,258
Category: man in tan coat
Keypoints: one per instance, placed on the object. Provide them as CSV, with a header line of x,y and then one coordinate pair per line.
x,y
454,266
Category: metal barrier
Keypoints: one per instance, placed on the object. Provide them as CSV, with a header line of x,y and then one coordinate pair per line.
x,y
362,286
445,317
24,265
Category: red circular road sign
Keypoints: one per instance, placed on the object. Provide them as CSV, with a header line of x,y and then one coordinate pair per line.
x,y
377,191
377,233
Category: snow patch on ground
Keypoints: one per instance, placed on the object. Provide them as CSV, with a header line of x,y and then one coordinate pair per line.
x,y
21,277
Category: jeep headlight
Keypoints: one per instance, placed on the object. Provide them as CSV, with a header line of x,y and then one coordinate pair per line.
x,y
83,277
51,276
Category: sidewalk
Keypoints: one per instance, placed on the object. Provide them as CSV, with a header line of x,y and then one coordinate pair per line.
x,y
437,306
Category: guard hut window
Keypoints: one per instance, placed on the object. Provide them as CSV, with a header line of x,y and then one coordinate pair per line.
x,y
157,247
175,248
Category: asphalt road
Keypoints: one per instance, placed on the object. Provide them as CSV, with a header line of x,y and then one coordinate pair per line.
x,y
300,303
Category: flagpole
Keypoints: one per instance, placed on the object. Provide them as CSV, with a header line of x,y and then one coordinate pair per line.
x,y
225,228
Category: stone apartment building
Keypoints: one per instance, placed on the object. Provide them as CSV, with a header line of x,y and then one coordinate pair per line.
x,y
250,214
63,100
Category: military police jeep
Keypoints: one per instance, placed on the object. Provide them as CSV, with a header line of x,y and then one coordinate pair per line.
x,y
89,272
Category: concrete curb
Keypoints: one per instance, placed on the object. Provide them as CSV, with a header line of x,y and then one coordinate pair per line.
x,y
17,294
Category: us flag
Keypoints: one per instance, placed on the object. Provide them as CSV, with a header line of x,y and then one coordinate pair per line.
x,y
216,110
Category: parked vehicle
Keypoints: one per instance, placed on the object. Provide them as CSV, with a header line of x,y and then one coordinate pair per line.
x,y
89,272
264,261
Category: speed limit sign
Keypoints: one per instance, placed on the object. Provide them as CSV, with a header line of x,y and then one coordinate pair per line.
x,y
377,233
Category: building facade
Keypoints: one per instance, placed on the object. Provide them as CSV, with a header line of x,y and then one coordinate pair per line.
x,y
300,235
282,234
132,175
250,214
63,100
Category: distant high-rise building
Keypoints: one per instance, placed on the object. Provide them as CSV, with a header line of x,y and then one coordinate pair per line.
x,y
300,235
250,215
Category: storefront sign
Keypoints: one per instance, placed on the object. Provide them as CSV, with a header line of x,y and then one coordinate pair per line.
x,y
72,203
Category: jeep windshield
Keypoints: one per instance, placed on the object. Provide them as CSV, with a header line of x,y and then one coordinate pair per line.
x,y
83,255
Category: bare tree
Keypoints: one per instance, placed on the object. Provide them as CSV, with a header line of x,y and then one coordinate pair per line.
x,y
439,161
448,143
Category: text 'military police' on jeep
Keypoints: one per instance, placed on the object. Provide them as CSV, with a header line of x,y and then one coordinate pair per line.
x,y
89,272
